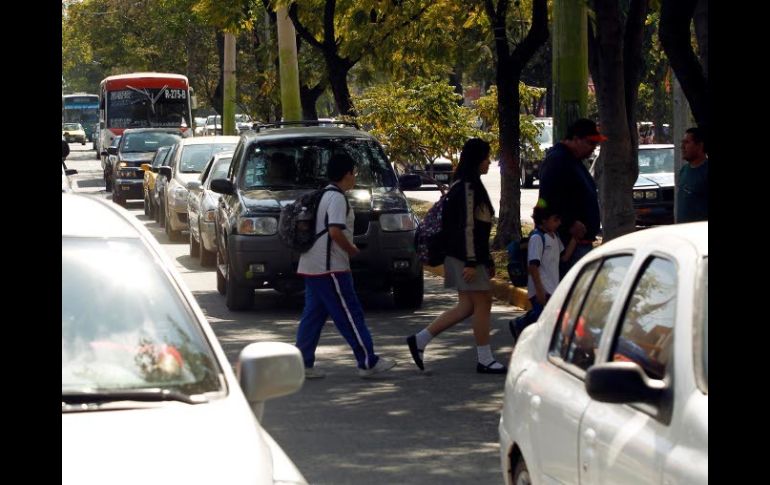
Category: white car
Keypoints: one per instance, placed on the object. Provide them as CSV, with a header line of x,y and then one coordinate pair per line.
x,y
148,394
185,164
610,385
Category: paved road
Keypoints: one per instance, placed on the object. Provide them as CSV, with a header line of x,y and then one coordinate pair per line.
x,y
409,427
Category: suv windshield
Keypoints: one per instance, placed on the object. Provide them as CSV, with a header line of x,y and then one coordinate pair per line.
x,y
546,134
124,326
195,157
148,141
656,160
301,163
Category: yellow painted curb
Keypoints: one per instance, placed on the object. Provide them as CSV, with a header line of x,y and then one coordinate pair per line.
x,y
502,290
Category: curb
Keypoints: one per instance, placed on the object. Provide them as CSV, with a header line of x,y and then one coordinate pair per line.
x,y
502,290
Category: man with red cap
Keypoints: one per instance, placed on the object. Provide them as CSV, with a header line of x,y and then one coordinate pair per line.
x,y
568,189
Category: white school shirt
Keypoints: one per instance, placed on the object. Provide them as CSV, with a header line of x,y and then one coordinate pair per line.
x,y
549,261
313,262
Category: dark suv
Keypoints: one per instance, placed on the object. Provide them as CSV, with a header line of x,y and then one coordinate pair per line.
x,y
137,146
277,163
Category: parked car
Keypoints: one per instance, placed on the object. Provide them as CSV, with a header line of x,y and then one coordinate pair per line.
x,y
199,125
151,171
278,164
653,193
243,122
213,126
186,164
530,166
73,133
137,146
202,208
148,394
610,385
433,176
159,191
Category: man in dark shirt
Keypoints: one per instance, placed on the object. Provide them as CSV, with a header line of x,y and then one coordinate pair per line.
x,y
568,189
693,196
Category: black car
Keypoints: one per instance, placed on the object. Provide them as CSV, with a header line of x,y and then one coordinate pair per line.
x,y
249,253
433,176
137,146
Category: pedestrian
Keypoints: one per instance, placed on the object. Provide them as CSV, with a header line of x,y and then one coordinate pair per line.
x,y
568,189
328,281
692,202
544,252
65,152
468,267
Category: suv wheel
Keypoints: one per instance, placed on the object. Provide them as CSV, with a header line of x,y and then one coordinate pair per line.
x,y
160,215
237,297
526,180
172,234
408,294
521,474
207,258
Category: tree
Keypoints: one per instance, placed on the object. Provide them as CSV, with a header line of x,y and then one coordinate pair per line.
x,y
509,65
614,41
486,109
417,121
363,26
675,19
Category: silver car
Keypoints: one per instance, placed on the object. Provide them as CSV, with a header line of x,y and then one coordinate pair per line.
x,y
202,208
185,164
148,395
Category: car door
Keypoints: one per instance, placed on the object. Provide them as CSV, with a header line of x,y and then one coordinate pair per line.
x,y
628,443
556,409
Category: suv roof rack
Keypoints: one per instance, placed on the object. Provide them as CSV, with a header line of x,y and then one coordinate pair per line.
x,y
276,124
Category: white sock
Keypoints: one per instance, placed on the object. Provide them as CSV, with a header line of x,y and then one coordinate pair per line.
x,y
423,337
485,356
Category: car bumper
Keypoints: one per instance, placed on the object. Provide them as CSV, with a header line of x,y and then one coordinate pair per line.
x,y
177,220
385,258
653,215
208,236
129,189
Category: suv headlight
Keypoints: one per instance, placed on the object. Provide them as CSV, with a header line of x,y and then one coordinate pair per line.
x,y
651,194
126,174
638,195
402,221
258,226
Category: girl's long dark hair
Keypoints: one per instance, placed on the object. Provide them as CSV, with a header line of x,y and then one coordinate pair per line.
x,y
474,152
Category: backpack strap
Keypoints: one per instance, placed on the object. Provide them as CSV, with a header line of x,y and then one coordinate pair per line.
x,y
326,225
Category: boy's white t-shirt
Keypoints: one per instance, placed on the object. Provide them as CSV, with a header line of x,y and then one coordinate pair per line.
x,y
549,261
313,262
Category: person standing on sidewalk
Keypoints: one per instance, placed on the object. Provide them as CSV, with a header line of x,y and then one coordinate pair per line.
x,y
468,266
568,189
693,198
329,287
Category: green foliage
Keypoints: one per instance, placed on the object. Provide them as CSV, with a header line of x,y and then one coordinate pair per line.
x,y
486,107
417,121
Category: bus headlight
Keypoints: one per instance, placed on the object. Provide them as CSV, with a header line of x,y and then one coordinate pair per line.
x,y
258,226
402,221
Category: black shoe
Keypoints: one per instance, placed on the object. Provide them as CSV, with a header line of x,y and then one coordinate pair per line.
x,y
415,351
512,328
488,369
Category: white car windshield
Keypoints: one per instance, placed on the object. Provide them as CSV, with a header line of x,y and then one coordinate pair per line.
x,y
125,327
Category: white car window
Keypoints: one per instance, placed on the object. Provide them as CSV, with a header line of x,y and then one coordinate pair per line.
x,y
646,334
561,337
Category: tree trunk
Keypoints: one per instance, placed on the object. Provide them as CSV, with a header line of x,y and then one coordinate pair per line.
x,y
674,34
617,167
338,79
456,80
508,102
309,97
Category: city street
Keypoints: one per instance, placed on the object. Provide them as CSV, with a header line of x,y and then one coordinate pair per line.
x,y
407,427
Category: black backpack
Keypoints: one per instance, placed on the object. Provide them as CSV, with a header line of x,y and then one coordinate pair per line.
x,y
517,259
296,225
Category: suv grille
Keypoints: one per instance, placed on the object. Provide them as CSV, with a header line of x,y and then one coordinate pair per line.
x,y
667,194
361,225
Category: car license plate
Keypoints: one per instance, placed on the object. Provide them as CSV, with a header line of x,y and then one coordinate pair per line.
x,y
125,188
442,177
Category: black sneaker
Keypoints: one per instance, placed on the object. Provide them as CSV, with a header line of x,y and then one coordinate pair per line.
x,y
415,351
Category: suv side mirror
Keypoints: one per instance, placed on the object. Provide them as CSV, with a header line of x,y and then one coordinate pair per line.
x,y
622,382
409,182
165,171
112,150
222,186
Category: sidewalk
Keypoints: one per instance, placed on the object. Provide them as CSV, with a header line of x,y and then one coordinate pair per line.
x,y
502,290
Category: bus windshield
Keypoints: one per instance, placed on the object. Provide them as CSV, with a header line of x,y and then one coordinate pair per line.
x,y
148,107
80,109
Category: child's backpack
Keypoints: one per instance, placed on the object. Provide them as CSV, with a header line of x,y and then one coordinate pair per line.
x,y
429,238
296,225
517,259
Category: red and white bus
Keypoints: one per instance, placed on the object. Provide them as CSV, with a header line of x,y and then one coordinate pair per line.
x,y
144,100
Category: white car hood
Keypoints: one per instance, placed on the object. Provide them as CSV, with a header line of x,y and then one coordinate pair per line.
x,y
215,442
